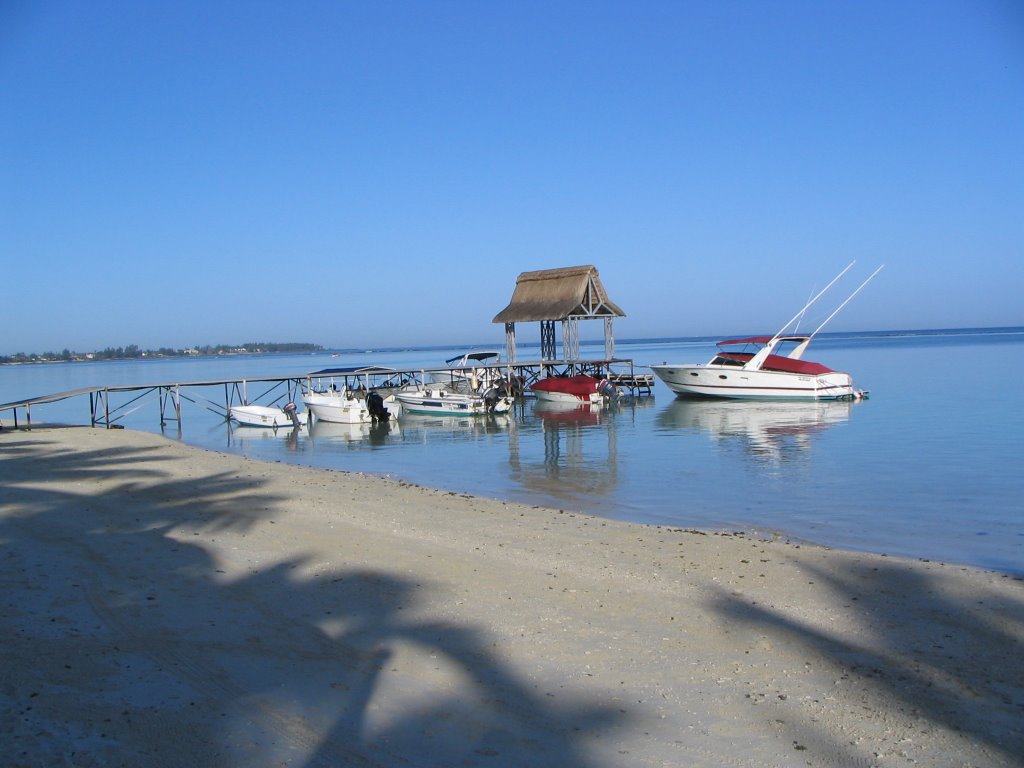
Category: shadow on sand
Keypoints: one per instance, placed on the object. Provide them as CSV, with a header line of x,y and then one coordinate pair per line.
x,y
130,645
922,661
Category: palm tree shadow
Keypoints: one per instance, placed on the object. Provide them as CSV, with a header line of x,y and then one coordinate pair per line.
x,y
116,605
396,691
941,658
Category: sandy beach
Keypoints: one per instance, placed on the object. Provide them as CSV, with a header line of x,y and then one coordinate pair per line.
x,y
169,606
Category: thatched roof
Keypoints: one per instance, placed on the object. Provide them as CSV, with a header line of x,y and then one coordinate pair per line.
x,y
557,294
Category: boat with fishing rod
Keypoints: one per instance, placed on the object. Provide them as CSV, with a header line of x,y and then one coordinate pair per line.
x,y
766,367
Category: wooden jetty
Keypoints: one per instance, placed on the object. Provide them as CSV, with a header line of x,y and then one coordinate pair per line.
x,y
109,405
566,296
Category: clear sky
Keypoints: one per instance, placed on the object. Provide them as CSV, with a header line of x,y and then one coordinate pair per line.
x,y
379,173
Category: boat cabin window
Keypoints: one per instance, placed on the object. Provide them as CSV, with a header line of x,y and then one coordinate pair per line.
x,y
723,360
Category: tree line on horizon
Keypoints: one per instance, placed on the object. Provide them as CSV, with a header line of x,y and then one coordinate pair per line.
x,y
133,352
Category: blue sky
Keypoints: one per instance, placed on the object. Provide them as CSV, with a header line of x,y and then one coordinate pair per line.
x,y
377,174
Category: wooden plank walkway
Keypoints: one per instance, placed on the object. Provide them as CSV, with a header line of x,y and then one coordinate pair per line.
x,y
103,412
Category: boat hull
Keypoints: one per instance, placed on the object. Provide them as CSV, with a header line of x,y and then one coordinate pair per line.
x,y
548,396
577,390
738,383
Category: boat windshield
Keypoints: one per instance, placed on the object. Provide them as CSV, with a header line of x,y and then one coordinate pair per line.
x,y
782,346
731,358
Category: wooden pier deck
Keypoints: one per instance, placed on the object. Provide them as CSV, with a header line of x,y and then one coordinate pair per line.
x,y
106,407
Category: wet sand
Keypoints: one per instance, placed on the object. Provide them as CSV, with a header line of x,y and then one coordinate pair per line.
x,y
169,606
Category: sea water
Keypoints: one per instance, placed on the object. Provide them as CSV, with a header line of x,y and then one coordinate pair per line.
x,y
931,465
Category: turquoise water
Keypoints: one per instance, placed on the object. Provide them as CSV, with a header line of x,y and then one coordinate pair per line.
x,y
930,466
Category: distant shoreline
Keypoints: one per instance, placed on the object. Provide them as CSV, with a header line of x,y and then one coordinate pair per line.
x,y
132,352
240,351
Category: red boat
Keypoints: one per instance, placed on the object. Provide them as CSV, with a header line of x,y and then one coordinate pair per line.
x,y
572,389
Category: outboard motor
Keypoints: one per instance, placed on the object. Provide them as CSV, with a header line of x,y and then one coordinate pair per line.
x,y
608,389
375,405
291,410
490,397
498,394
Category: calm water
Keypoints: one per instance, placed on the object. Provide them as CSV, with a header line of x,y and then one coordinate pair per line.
x,y
930,466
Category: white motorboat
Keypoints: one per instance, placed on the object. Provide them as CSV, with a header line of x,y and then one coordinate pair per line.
x,y
266,416
765,367
759,373
470,372
343,406
444,402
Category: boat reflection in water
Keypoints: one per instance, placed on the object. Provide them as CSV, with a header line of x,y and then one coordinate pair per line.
x,y
575,460
241,432
425,426
554,413
325,432
243,436
564,431
770,431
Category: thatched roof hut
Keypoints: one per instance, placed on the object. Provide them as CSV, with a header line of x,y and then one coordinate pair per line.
x,y
568,294
558,294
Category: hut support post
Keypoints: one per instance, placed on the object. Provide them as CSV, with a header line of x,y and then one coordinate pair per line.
x,y
548,350
510,342
571,339
609,338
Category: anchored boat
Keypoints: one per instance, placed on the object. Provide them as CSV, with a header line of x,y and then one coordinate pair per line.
x,y
761,373
765,367
266,416
575,390
343,406
444,402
